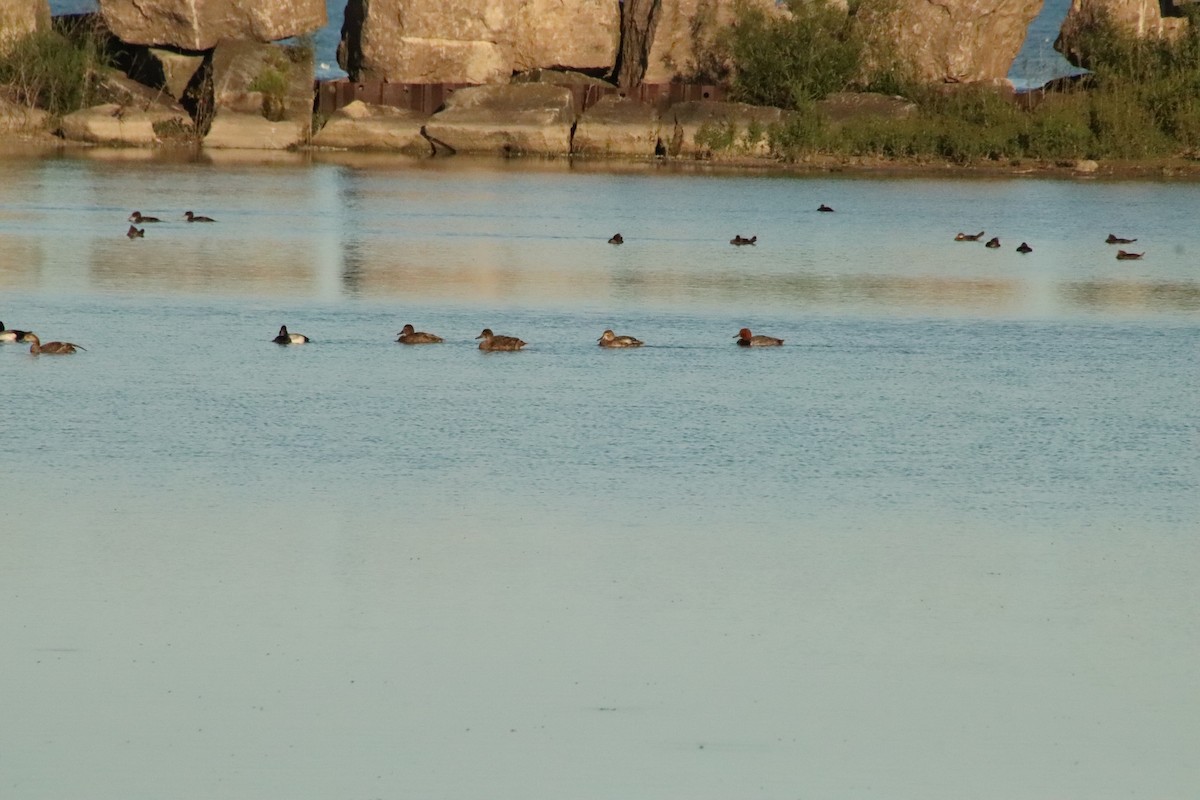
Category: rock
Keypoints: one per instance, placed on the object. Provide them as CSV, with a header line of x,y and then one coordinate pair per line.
x,y
948,42
684,33
177,69
270,81
617,126
1141,18
112,123
114,87
715,122
361,126
192,25
506,119
843,107
231,130
474,41
19,18
1086,166
18,118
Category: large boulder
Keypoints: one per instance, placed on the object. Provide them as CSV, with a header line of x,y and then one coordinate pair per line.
x,y
362,126
192,25
1141,18
506,119
617,126
698,128
948,41
475,41
19,18
20,118
113,123
262,94
684,36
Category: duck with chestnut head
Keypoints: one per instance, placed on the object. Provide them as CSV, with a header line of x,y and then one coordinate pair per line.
x,y
747,339
36,347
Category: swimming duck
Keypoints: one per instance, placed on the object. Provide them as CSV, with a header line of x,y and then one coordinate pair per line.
x,y
410,335
993,243
49,348
7,335
1024,248
137,218
740,240
968,237
1123,256
610,339
1118,240
289,338
824,208
197,218
493,342
136,233
617,239
745,339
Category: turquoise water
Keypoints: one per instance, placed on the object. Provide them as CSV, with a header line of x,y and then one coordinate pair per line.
x,y
941,544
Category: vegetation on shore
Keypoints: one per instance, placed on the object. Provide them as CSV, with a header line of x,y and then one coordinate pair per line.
x,y
1141,100
55,72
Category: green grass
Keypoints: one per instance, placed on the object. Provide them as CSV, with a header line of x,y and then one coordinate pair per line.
x,y
50,71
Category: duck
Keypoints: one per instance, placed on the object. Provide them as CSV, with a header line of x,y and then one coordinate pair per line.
x,y
136,233
13,335
740,240
746,339
824,209
290,338
969,237
197,218
410,335
993,243
1024,248
617,239
36,347
1118,240
493,342
610,339
137,218
1123,256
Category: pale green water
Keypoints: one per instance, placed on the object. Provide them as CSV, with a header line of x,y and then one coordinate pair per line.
x,y
940,545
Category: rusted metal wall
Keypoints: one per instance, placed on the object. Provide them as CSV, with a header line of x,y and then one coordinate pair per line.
x,y
429,97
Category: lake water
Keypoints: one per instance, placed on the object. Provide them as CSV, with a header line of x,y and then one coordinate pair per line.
x,y
942,544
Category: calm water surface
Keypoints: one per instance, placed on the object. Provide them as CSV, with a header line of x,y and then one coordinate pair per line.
x,y
943,544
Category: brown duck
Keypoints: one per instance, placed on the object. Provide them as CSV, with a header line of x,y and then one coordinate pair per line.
x,y
610,339
493,342
740,240
969,237
1118,240
1123,256
50,348
410,335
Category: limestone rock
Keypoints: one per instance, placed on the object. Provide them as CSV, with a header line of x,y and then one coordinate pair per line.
x,y
114,87
177,69
19,18
1142,18
580,34
18,118
270,81
506,119
617,126
474,41
112,123
361,126
684,33
192,25
948,41
231,130
709,119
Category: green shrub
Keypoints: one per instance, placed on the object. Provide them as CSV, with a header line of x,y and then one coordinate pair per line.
x,y
53,72
788,60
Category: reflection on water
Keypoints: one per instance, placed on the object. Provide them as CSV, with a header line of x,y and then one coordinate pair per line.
x,y
497,232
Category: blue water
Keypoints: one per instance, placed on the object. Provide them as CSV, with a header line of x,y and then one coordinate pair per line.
x,y
941,544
